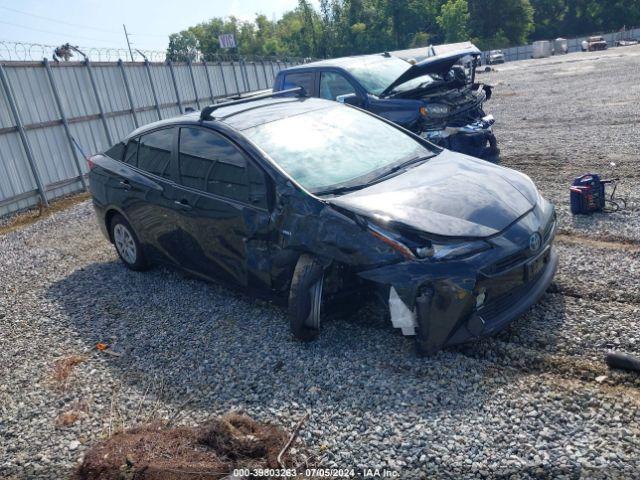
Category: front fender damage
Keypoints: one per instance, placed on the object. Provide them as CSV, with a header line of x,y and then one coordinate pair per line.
x,y
431,301
334,238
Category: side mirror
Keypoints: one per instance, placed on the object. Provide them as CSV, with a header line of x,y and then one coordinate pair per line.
x,y
350,99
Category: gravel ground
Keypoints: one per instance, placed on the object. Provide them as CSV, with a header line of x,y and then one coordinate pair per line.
x,y
561,117
530,403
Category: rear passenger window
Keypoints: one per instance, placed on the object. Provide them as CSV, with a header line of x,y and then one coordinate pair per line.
x,y
131,154
154,152
209,162
304,80
116,152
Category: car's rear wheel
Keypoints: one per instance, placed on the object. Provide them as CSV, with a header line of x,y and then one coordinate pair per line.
x,y
305,298
127,244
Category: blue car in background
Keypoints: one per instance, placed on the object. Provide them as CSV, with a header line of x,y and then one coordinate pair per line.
x,y
436,98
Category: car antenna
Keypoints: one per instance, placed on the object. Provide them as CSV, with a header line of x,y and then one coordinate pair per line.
x,y
206,112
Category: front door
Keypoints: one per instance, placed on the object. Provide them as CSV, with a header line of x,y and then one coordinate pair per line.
x,y
224,222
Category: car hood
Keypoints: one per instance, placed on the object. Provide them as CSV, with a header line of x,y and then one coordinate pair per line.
x,y
439,64
450,195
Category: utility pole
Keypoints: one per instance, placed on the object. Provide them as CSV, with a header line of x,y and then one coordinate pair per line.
x,y
126,35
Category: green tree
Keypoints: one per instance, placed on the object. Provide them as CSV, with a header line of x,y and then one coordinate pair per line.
x,y
182,47
348,27
512,19
420,39
453,20
547,18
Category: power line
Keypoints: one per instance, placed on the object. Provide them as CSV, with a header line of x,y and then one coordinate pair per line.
x,y
77,25
57,20
52,33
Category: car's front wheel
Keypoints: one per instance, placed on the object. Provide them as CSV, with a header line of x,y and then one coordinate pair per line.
x,y
127,244
305,298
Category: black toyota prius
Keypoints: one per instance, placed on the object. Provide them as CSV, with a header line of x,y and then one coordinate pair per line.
x,y
310,202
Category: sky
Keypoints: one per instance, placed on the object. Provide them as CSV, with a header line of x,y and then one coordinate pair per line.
x,y
98,23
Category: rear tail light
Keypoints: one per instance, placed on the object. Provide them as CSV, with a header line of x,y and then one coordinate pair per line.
x,y
90,163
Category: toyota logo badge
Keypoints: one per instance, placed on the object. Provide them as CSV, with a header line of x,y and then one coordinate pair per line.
x,y
535,240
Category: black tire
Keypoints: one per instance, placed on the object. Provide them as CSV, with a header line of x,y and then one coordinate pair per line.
x,y
129,250
305,297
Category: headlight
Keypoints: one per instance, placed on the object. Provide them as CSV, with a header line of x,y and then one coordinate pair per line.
x,y
434,110
412,247
390,239
449,251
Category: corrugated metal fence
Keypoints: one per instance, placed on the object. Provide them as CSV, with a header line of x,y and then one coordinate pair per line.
x,y
45,106
525,52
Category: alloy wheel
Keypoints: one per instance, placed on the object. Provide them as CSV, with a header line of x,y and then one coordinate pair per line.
x,y
125,244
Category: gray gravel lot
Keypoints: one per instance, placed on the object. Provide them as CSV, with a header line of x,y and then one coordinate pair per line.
x,y
529,403
561,117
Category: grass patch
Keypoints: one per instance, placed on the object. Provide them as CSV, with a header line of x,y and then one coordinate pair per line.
x,y
35,214
210,451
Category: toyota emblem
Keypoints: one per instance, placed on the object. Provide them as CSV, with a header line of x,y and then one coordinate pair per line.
x,y
535,240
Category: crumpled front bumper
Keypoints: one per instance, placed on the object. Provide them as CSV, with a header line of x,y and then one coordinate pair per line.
x,y
475,139
452,302
462,320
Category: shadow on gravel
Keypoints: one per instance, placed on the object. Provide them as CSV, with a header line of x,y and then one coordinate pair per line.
x,y
221,349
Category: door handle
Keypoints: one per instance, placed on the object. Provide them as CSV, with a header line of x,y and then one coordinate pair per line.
x,y
183,204
125,184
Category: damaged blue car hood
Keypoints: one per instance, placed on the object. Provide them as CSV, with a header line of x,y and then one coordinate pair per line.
x,y
450,195
439,64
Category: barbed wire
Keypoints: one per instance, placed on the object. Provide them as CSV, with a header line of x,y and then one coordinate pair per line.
x,y
35,52
25,51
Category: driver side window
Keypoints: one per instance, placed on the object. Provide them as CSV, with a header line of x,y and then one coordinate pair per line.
x,y
333,84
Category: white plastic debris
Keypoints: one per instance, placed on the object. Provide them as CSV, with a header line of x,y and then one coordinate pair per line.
x,y
401,316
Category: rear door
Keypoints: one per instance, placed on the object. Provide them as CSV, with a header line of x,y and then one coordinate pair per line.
x,y
149,189
224,224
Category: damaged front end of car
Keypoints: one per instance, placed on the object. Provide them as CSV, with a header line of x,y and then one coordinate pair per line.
x,y
462,270
465,290
452,103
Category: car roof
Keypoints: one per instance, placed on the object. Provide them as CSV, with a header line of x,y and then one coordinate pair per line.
x,y
343,62
247,115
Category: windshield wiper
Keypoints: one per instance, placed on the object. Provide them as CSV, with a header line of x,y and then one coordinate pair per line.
x,y
339,190
350,188
400,167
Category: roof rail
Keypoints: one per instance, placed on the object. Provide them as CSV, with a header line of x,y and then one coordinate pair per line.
x,y
206,112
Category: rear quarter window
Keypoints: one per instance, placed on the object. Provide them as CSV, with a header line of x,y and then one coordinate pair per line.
x,y
131,153
154,152
117,151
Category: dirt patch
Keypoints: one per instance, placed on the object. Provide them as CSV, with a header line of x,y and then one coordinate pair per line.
x,y
75,412
35,214
624,244
63,368
211,451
